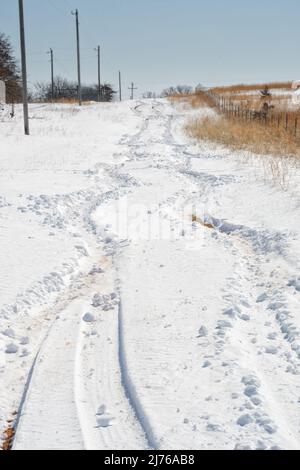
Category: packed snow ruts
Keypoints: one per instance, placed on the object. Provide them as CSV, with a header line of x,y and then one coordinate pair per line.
x,y
210,328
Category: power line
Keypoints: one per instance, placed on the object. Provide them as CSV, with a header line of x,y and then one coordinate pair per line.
x,y
60,10
69,3
85,21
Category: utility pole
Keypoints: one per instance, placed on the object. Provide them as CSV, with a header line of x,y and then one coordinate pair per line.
x,y
99,73
120,86
132,88
52,74
78,57
24,68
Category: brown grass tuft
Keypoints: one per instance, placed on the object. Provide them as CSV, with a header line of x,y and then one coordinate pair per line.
x,y
200,221
9,437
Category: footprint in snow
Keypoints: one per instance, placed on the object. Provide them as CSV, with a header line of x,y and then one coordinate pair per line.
x,y
11,349
245,317
214,427
88,318
261,445
232,312
9,333
244,420
24,341
295,283
262,298
202,332
267,424
206,364
271,350
104,419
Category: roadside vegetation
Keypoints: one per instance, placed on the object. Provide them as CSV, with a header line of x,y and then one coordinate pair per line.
x,y
9,70
241,135
241,88
266,129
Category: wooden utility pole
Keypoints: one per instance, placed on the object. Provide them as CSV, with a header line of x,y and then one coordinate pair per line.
x,y
52,73
78,57
99,74
120,86
24,68
132,88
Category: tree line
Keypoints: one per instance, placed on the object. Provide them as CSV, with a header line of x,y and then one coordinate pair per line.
x,y
63,89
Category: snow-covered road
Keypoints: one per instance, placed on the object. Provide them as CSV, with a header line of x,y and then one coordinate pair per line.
x,y
150,286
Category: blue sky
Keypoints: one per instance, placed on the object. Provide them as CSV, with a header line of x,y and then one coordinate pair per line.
x,y
158,43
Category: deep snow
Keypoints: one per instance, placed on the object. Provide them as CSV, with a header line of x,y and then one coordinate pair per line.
x,y
149,285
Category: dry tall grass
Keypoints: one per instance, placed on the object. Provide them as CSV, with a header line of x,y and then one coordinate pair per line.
x,y
254,87
67,101
242,135
280,149
198,99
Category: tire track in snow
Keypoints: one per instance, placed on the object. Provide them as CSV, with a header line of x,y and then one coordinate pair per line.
x,y
99,386
49,419
130,389
62,398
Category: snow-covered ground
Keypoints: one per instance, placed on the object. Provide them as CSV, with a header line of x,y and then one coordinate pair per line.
x,y
149,285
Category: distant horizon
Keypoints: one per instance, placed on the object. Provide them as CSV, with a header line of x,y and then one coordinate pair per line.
x,y
159,44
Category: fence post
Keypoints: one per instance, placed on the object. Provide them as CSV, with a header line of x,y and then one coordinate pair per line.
x,y
296,126
286,122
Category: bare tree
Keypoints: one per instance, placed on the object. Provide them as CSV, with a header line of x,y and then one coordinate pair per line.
x,y
66,89
200,88
148,95
9,71
265,93
178,90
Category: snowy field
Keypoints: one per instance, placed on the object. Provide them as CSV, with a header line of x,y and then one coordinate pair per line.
x,y
149,285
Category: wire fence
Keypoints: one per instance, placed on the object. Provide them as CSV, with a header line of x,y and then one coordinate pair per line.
x,y
289,121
